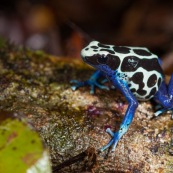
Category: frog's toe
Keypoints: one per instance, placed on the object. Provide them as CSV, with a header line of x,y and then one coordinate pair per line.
x,y
104,81
112,87
102,86
113,142
77,84
109,131
161,111
92,91
73,87
91,83
74,81
95,84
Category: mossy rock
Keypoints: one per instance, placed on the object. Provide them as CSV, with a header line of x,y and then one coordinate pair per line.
x,y
69,122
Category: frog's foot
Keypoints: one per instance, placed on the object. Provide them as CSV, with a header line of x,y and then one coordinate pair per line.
x,y
77,84
113,142
91,83
106,80
161,111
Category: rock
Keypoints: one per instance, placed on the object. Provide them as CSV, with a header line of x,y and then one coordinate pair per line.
x,y
72,123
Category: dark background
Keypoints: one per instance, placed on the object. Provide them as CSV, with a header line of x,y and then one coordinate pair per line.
x,y
64,27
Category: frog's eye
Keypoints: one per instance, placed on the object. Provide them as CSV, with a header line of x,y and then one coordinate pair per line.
x,y
102,59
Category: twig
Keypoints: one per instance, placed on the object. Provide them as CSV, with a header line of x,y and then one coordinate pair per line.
x,y
90,153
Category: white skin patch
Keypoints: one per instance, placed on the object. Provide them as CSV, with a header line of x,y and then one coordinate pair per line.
x,y
146,76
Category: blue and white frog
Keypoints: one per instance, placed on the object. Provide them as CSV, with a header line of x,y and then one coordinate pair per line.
x,y
135,71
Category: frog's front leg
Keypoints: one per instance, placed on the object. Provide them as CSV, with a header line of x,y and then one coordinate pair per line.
x,y
133,104
92,81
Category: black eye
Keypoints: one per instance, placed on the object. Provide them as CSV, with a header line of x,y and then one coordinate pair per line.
x,y
102,59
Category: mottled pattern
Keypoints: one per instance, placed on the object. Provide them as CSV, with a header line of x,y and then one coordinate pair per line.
x,y
123,50
142,52
138,67
132,63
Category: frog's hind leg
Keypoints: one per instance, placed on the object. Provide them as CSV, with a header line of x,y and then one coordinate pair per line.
x,y
170,86
133,104
164,96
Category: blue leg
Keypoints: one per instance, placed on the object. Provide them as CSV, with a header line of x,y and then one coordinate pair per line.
x,y
128,116
160,61
91,82
170,87
165,97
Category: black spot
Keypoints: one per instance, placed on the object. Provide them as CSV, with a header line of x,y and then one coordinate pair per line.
x,y
141,92
147,97
95,50
102,59
94,47
124,50
151,64
152,80
113,61
132,63
115,73
137,78
159,82
14,148
129,85
108,50
32,141
87,49
103,46
118,74
142,52
152,92
133,90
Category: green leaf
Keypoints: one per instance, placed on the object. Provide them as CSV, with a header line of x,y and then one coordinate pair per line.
x,y
21,149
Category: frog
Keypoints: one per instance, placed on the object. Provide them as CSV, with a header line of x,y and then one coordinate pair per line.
x,y
135,71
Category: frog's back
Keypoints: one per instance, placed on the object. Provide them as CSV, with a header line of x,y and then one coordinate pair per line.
x,y
141,70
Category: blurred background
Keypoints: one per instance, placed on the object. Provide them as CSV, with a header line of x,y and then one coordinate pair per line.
x,y
64,27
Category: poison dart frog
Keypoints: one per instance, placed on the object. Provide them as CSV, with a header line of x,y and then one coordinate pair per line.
x,y
135,71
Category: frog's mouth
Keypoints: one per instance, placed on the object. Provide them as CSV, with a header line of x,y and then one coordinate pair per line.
x,y
90,60
96,63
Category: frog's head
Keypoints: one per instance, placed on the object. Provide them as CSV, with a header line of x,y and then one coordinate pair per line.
x,y
100,56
